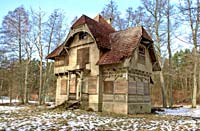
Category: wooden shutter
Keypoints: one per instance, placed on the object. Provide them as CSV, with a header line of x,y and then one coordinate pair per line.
x,y
63,90
83,57
132,87
140,88
108,87
146,89
121,86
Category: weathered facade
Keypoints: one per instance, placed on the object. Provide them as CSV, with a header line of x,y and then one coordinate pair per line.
x,y
106,70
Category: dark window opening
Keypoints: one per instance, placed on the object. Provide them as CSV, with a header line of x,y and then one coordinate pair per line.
x,y
82,35
141,56
108,87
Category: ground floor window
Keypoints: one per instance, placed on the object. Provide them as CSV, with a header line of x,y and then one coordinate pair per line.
x,y
108,87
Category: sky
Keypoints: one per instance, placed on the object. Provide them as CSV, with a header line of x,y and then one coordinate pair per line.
x,y
71,7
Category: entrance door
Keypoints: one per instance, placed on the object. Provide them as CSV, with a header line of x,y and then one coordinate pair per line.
x,y
72,89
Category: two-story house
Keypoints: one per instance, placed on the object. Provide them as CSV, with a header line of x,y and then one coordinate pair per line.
x,y
104,69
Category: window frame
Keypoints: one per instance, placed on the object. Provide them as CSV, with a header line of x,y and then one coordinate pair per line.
x,y
141,55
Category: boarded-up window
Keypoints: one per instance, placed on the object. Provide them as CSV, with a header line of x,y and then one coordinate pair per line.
x,y
92,85
62,61
63,90
140,88
141,55
132,87
120,86
82,57
72,88
146,89
108,87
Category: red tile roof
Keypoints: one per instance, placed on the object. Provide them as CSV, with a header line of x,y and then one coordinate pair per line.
x,y
99,28
122,45
119,44
55,52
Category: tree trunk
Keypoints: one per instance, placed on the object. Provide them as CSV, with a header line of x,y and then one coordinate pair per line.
x,y
164,94
198,94
170,56
26,82
194,92
40,89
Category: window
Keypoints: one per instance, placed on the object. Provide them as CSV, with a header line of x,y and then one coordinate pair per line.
x,y
62,61
141,56
82,57
108,87
59,61
82,35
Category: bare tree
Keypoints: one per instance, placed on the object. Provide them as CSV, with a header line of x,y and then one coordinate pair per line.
x,y
155,9
110,12
168,13
191,10
54,34
37,40
28,50
15,26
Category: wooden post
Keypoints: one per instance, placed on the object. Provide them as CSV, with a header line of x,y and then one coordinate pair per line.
x,y
68,85
81,84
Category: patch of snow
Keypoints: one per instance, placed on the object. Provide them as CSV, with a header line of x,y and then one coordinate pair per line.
x,y
182,111
7,100
10,108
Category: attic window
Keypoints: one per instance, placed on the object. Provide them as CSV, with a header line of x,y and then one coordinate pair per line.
x,y
141,56
82,35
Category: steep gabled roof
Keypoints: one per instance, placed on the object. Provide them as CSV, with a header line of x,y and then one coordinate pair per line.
x,y
122,45
55,52
119,44
99,28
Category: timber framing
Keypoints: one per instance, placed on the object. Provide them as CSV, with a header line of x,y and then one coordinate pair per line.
x,y
104,69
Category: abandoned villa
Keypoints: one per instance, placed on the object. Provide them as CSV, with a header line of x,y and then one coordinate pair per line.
x,y
104,69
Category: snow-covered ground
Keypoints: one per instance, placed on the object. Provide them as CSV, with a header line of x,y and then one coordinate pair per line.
x,y
10,108
35,118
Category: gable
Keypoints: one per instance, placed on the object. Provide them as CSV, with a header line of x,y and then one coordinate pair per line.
x,y
116,46
122,45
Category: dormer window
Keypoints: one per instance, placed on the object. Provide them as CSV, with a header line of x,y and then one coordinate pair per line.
x,y
141,55
83,35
